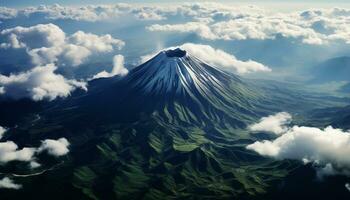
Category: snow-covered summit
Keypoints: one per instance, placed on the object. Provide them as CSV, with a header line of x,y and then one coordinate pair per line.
x,y
176,71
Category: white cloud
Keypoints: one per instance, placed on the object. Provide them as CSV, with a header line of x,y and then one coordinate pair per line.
x,y
274,123
148,15
347,186
8,183
41,35
9,152
74,54
315,27
90,13
7,13
325,148
218,58
118,68
2,131
33,164
49,48
104,43
39,83
245,28
211,20
47,43
200,28
55,147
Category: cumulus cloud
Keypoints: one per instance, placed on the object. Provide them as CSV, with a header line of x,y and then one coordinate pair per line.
x,y
8,183
7,13
218,58
316,27
104,43
41,35
148,13
347,186
326,148
9,152
33,164
55,147
47,43
243,29
200,28
118,68
2,131
90,13
39,83
274,123
212,21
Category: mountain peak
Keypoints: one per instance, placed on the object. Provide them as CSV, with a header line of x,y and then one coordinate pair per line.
x,y
174,71
175,53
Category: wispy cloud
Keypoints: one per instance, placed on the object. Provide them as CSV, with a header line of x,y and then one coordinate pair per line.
x,y
118,68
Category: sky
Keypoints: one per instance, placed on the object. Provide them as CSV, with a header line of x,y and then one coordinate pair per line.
x,y
295,4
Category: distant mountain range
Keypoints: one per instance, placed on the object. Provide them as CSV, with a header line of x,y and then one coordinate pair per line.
x,y
335,69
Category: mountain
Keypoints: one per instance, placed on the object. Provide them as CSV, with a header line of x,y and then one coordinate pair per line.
x,y
178,88
172,128
335,69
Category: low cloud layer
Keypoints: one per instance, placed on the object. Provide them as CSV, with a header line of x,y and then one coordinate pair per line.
x,y
327,148
7,183
118,68
38,83
274,123
9,151
90,13
55,147
347,186
212,21
315,27
218,58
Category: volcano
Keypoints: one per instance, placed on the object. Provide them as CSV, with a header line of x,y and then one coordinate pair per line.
x,y
177,87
